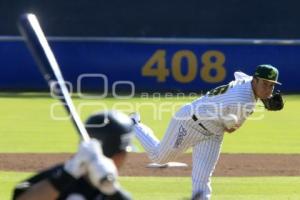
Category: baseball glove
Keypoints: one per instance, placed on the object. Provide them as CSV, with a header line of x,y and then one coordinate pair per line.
x,y
274,103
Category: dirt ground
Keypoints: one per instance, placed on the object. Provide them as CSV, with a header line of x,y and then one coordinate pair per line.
x,y
228,165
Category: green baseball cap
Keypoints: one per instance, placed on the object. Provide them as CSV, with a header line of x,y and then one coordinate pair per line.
x,y
267,72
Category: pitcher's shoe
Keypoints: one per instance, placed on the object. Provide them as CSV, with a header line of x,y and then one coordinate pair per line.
x,y
136,118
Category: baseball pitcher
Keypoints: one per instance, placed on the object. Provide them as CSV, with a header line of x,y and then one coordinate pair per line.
x,y
202,123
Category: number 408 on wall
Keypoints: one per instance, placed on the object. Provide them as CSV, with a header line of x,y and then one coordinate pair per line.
x,y
212,68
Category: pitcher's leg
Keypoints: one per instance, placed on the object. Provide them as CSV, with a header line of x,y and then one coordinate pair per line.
x,y
205,157
146,137
170,146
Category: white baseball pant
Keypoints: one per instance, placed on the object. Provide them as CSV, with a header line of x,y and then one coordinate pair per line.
x,y
183,132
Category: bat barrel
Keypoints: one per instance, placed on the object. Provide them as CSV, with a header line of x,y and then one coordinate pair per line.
x,y
45,59
29,28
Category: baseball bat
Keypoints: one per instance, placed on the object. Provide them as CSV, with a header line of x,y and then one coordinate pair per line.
x,y
39,47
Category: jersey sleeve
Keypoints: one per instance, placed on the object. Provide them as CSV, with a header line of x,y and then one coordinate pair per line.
x,y
242,110
28,183
240,76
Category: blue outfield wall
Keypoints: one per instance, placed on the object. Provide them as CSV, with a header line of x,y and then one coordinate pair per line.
x,y
149,64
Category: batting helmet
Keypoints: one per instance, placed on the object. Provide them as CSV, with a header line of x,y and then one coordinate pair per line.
x,y
113,129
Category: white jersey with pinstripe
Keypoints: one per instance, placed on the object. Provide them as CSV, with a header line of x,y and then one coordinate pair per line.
x,y
200,125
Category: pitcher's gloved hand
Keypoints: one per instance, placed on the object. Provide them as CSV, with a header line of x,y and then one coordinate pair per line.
x,y
274,103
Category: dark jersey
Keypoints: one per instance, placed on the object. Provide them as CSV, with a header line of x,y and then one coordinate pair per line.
x,y
81,189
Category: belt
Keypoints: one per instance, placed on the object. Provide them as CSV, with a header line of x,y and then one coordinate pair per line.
x,y
194,117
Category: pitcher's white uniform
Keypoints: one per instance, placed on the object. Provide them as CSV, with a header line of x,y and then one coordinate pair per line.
x,y
200,124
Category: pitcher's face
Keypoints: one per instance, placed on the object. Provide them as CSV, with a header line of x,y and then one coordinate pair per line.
x,y
263,89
